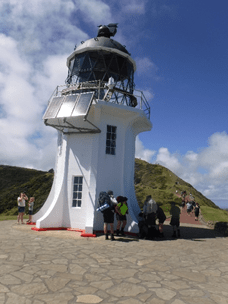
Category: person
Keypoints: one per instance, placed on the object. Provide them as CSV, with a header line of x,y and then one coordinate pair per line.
x,y
149,211
197,209
189,208
21,207
121,211
108,215
161,218
31,205
175,219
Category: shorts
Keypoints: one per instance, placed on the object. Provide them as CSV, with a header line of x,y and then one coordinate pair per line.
x,y
30,212
121,217
175,222
189,210
108,216
21,209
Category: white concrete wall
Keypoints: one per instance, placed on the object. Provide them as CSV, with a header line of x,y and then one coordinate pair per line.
x,y
85,155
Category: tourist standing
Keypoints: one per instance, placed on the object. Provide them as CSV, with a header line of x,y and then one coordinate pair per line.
x,y
175,219
121,211
197,209
31,205
21,207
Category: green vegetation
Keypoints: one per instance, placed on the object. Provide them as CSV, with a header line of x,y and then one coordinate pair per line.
x,y
150,179
14,180
215,215
161,184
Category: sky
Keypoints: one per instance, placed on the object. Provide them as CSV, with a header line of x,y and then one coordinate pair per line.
x,y
180,48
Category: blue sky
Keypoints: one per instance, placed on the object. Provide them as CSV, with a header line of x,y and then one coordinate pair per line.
x,y
180,48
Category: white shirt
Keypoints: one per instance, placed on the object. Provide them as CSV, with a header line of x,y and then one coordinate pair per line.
x,y
21,203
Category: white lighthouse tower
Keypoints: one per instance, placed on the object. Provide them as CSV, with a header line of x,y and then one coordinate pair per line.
x,y
98,114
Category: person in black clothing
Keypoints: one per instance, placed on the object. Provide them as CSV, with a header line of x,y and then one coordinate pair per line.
x,y
197,207
161,218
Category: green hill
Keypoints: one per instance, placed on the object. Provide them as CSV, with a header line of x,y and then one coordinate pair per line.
x,y
152,179
162,184
14,180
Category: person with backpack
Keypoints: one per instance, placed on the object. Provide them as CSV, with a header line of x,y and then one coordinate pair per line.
x,y
121,211
161,217
175,219
149,211
105,201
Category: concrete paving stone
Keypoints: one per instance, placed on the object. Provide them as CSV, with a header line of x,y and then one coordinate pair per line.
x,y
8,268
55,298
3,288
219,299
176,284
29,289
55,284
192,293
13,298
164,293
125,289
151,277
23,276
178,302
155,301
144,296
102,285
157,272
130,301
9,279
121,273
196,300
190,276
89,299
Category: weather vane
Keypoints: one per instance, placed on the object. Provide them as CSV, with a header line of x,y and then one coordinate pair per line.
x,y
107,30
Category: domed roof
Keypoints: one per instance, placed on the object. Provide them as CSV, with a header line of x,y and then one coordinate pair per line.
x,y
102,42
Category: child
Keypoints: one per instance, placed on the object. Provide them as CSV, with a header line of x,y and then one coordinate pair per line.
x,y
121,210
175,219
30,204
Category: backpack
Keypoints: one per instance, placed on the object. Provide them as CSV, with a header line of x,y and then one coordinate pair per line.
x,y
151,207
104,199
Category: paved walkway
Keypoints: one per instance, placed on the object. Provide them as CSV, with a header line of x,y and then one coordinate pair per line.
x,y
60,267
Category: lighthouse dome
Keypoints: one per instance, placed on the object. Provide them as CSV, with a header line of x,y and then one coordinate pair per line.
x,y
102,42
100,58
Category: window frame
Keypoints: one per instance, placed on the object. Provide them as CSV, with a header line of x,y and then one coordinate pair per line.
x,y
77,190
111,135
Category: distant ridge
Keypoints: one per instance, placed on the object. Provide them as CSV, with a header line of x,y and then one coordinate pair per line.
x,y
152,179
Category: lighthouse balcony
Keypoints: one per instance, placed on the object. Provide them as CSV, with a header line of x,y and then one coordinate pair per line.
x,y
70,107
110,92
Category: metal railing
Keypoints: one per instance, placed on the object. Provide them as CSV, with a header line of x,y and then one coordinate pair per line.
x,y
117,95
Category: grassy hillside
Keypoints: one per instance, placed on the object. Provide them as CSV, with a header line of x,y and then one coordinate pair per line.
x,y
14,180
156,180
162,184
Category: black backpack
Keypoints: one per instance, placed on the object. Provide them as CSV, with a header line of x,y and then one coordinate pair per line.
x,y
104,198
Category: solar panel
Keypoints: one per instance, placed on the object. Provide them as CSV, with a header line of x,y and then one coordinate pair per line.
x,y
68,105
53,107
83,104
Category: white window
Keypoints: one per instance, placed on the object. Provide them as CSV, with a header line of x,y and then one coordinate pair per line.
x,y
111,140
77,191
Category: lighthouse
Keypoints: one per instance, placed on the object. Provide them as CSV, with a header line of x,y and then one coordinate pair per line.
x,y
97,113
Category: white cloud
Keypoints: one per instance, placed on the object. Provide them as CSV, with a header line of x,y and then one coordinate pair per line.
x,y
141,152
212,159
